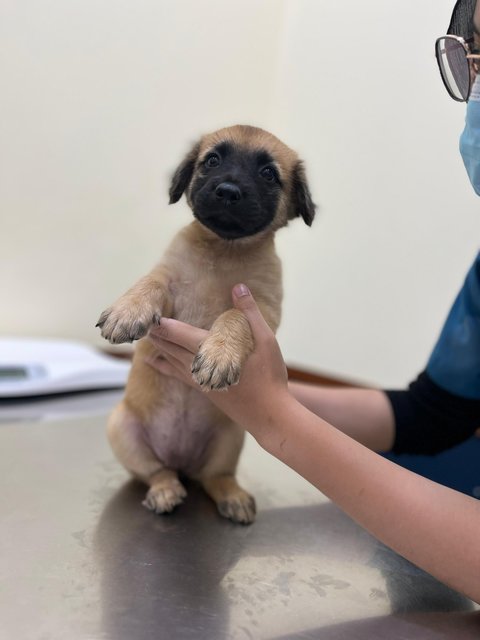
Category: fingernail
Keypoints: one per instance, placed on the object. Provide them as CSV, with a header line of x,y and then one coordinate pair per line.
x,y
241,290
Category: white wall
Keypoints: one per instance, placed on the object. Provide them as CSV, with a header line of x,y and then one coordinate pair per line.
x,y
359,94
100,99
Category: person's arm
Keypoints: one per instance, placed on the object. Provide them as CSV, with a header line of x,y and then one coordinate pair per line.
x,y
433,526
363,414
422,419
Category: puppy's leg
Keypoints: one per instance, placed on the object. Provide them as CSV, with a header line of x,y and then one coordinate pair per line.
x,y
142,306
126,435
219,360
218,476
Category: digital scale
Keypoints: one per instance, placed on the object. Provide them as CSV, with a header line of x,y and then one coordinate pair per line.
x,y
38,367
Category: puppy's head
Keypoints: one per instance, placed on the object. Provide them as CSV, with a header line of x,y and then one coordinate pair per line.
x,y
242,180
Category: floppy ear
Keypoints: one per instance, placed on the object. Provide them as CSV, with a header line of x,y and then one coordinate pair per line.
x,y
183,175
302,203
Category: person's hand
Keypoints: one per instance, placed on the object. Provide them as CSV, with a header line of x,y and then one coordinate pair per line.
x,y
262,389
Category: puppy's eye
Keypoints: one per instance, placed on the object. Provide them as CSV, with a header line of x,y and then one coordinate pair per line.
x,y
269,174
212,160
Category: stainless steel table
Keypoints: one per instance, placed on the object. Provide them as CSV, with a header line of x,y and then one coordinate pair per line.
x,y
82,559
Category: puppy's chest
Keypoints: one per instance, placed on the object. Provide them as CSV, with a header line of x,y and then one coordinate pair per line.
x,y
201,294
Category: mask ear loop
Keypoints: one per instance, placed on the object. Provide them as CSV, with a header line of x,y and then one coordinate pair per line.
x,y
475,57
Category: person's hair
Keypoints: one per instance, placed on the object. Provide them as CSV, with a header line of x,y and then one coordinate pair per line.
x,y
461,22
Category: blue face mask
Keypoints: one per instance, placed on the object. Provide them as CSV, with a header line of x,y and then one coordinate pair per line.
x,y
470,138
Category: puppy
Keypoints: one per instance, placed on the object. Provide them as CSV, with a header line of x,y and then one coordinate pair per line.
x,y
242,184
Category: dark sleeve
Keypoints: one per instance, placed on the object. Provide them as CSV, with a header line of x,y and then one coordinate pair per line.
x,y
429,419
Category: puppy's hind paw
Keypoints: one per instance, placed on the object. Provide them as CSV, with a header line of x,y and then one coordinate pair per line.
x,y
163,498
240,508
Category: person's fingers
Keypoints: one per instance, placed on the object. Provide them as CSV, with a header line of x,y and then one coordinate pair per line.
x,y
179,333
244,302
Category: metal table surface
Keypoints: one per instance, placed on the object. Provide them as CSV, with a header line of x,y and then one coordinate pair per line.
x,y
82,559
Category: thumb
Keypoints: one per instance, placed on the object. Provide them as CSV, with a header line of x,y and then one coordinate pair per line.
x,y
244,302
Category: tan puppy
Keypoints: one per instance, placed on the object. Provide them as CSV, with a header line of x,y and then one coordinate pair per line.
x,y
242,184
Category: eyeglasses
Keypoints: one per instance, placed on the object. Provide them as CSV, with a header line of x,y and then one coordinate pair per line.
x,y
458,65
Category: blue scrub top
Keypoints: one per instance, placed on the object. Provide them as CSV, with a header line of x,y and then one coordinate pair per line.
x,y
455,361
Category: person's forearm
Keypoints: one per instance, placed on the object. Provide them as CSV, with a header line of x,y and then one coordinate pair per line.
x,y
430,525
363,414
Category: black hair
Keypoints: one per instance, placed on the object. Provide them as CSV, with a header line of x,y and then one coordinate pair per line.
x,y
461,22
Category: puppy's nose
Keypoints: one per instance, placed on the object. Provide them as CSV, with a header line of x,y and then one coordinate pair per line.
x,y
228,191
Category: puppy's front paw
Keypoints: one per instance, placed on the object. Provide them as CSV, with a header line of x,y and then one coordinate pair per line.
x,y
126,321
215,366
